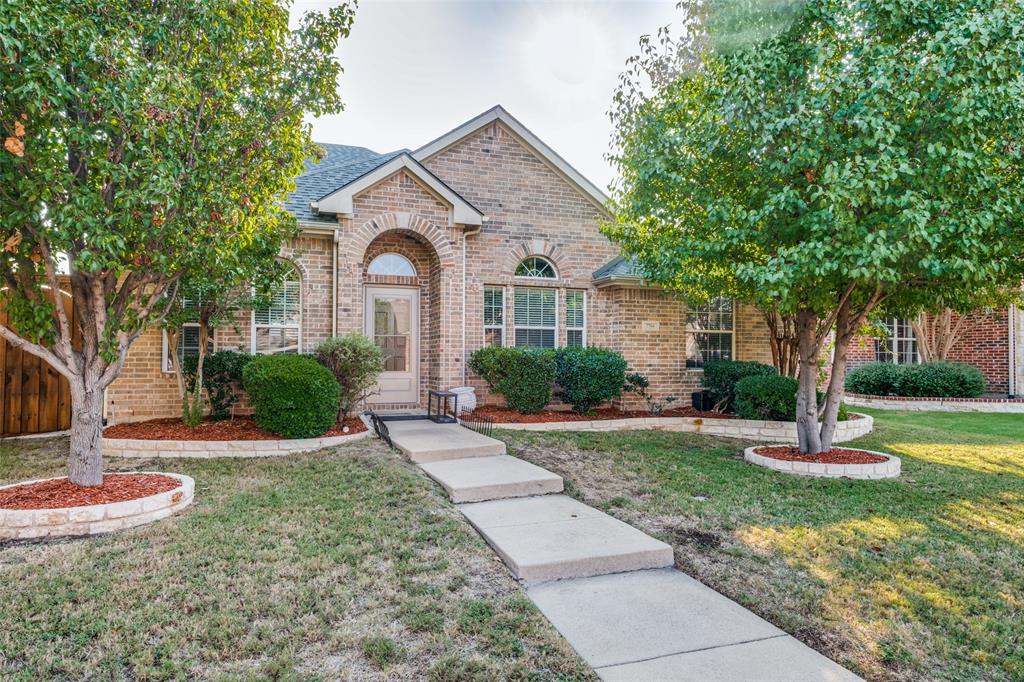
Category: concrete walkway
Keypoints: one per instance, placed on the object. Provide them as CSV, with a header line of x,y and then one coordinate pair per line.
x,y
606,586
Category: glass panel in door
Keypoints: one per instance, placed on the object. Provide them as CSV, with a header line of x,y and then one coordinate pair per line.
x,y
392,330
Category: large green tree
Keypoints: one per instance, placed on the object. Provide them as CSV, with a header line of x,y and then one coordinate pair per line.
x,y
866,159
136,135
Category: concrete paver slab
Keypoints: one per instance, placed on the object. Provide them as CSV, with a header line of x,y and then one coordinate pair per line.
x,y
527,510
554,548
614,619
777,659
490,478
425,441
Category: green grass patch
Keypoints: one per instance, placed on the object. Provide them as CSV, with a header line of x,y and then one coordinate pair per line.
x,y
345,564
919,578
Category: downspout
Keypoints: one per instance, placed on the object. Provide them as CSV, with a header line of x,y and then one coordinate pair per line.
x,y
1011,365
334,285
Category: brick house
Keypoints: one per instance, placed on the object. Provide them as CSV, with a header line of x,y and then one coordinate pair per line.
x,y
484,235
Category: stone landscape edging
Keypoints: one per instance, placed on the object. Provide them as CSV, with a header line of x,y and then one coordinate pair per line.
x,y
892,402
205,449
888,469
767,431
94,519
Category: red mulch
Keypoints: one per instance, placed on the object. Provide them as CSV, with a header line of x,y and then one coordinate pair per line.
x,y
239,428
503,415
60,492
833,456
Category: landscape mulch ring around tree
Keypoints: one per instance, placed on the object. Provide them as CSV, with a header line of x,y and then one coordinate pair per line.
x,y
238,428
833,456
60,493
503,415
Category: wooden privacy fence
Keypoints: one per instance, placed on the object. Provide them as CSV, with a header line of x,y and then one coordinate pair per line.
x,y
35,397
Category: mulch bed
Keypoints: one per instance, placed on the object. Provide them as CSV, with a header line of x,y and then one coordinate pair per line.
x,y
833,456
503,415
239,428
61,493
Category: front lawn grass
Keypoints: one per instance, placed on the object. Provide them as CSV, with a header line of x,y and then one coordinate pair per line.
x,y
919,578
345,564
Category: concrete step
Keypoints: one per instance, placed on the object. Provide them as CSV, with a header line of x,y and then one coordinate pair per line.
x,y
476,479
424,441
555,537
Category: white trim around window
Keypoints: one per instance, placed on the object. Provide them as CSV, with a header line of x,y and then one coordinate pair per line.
x,y
494,316
535,317
165,359
281,322
710,323
575,317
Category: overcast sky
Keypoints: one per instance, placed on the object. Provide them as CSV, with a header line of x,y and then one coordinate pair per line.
x,y
415,69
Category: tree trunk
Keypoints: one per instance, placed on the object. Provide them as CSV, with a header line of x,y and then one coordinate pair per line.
x,y
783,341
936,334
85,462
808,435
845,331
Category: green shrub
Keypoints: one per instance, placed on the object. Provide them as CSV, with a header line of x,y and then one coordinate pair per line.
x,y
292,396
773,398
766,397
589,376
877,378
523,376
721,376
356,362
942,380
222,379
927,380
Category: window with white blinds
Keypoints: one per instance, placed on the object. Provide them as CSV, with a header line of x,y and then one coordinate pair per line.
x,y
535,317
575,318
275,329
709,332
494,316
188,345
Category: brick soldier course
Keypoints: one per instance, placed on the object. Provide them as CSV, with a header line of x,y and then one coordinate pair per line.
x,y
465,210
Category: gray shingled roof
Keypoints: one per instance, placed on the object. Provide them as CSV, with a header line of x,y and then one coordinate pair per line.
x,y
619,267
341,165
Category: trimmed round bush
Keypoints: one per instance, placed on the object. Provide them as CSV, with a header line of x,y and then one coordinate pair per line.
x,y
522,376
293,396
942,380
721,376
773,398
589,376
877,378
766,397
927,380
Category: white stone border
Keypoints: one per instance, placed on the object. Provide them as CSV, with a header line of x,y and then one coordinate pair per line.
x,y
1010,405
767,431
205,449
888,469
21,524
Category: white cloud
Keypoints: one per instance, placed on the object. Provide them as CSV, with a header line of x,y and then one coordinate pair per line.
x,y
415,69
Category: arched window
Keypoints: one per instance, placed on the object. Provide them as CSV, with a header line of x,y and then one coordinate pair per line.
x,y
536,267
391,264
276,328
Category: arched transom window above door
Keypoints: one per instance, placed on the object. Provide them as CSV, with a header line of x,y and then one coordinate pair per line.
x,y
536,267
391,264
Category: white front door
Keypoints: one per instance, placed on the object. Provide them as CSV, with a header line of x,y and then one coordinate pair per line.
x,y
392,320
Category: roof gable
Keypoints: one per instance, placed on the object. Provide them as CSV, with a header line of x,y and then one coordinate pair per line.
x,y
339,200
526,138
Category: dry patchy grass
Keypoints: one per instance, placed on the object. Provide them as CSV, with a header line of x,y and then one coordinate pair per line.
x,y
920,578
344,564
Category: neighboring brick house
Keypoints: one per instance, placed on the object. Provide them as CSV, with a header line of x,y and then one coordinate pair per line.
x,y
484,235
